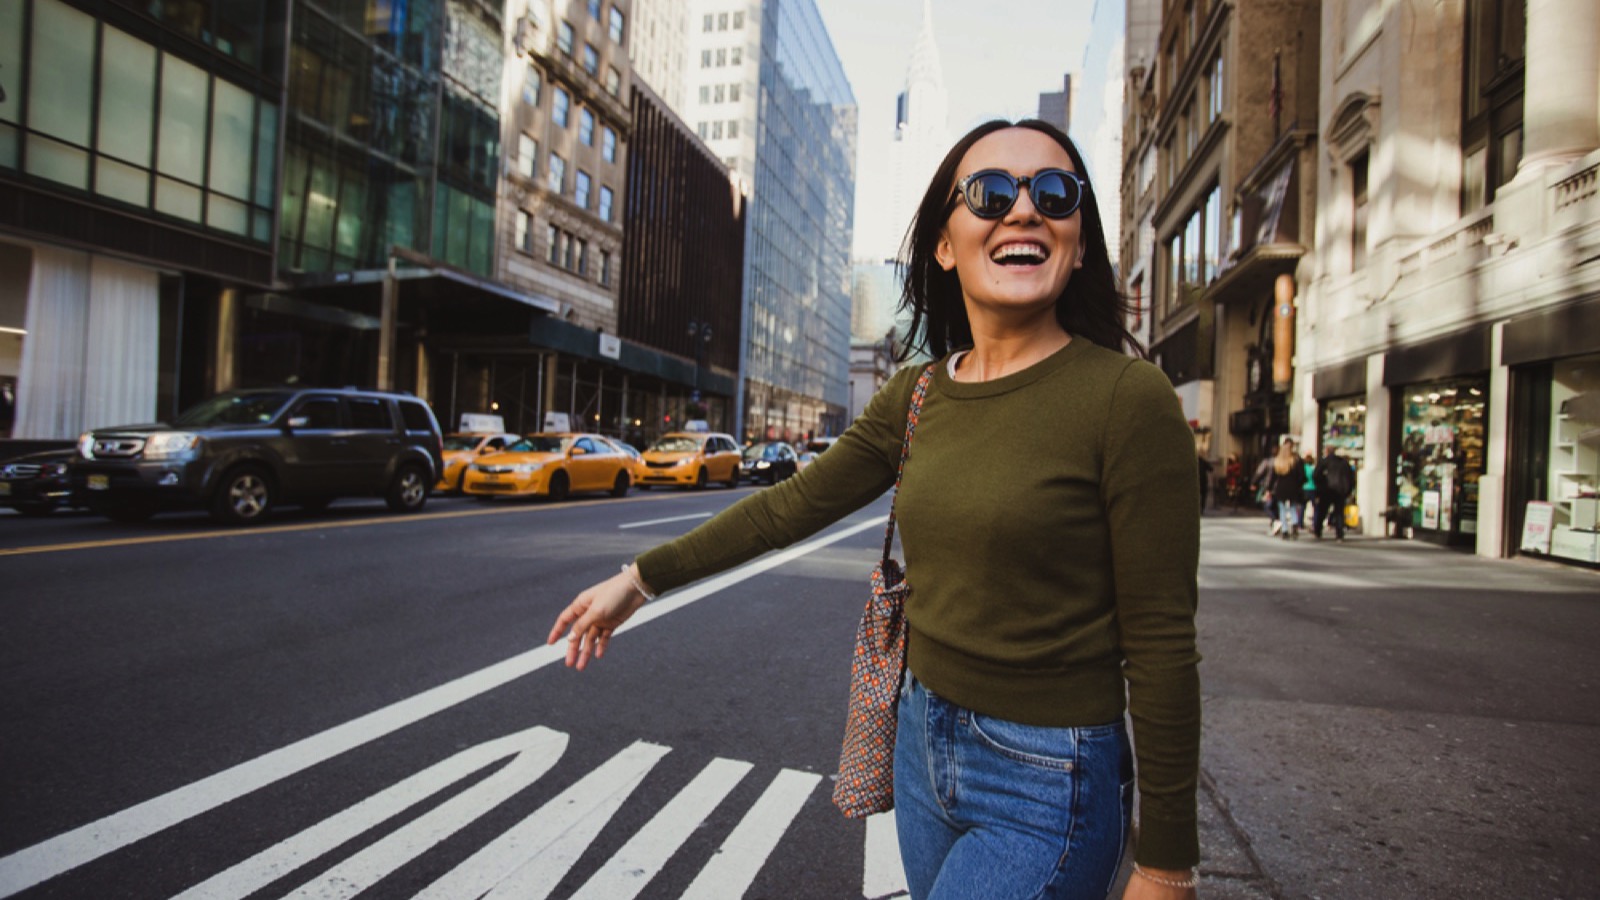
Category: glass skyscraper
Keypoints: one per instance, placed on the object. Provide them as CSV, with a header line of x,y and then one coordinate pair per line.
x,y
768,94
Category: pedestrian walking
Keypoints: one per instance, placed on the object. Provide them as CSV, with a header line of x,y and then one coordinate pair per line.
x,y
1308,488
1013,772
1335,481
1206,468
1288,490
1261,483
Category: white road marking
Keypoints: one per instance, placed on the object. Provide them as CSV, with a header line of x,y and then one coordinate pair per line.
x,y
373,863
664,521
536,749
530,859
86,843
882,875
627,872
733,869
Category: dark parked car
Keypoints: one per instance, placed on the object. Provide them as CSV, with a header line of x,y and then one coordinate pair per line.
x,y
241,453
772,462
36,484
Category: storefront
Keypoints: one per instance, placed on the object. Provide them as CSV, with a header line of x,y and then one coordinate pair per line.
x,y
1438,436
1555,433
1441,457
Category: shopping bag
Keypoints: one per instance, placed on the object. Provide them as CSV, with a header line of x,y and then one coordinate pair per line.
x,y
1352,516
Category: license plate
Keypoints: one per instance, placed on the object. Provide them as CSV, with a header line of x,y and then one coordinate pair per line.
x,y
490,476
99,482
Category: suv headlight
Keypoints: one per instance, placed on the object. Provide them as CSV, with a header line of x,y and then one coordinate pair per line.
x,y
529,468
171,445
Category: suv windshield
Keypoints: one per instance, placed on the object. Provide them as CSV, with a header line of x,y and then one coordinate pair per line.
x,y
461,443
539,443
235,409
761,451
675,445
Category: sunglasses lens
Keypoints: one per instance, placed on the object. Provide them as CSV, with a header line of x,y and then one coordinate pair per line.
x,y
990,194
1055,194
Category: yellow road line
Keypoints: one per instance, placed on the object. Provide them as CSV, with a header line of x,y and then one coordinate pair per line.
x,y
306,526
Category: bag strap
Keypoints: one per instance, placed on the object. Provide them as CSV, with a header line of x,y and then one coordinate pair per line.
x,y
912,414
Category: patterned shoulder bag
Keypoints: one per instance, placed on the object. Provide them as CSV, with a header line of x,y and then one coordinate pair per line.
x,y
866,762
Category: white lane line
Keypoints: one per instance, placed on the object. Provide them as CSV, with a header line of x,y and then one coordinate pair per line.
x,y
731,872
882,875
405,844
529,860
627,872
86,843
537,749
705,515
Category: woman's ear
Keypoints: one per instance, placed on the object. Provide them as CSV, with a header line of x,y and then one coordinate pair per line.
x,y
943,253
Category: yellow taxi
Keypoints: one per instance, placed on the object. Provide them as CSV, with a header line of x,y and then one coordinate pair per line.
x,y
637,468
553,465
461,449
692,459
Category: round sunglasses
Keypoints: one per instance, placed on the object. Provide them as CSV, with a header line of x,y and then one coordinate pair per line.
x,y
991,193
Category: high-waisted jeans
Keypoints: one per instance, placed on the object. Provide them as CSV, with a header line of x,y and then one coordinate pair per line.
x,y
988,809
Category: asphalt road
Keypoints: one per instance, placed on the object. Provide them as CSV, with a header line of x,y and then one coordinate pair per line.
x,y
358,702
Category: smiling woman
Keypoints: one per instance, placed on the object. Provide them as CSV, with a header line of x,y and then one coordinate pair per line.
x,y
1047,600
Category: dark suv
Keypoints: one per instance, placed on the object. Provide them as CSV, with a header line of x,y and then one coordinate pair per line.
x,y
241,453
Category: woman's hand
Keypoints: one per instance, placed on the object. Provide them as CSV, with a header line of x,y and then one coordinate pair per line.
x,y
595,615
1155,886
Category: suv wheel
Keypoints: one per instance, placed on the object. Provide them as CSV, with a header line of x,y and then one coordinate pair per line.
x,y
243,497
409,490
559,486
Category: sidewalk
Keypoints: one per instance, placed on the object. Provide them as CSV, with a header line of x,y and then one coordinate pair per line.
x,y
1388,718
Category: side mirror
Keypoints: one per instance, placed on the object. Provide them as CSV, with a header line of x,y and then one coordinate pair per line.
x,y
577,451
485,451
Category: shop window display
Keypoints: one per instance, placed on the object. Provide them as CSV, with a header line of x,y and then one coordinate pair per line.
x,y
1344,425
1574,483
1441,457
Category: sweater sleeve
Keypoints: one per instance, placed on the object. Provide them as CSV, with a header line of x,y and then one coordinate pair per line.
x,y
1152,500
858,468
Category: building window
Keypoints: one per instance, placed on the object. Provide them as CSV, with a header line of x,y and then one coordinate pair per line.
x,y
1216,88
580,191
564,37
738,20
605,268
716,130
1213,234
559,107
736,56
733,128
705,59
552,252
524,236
605,203
722,57
586,127
1491,113
721,94
722,21
527,153
616,25
1358,211
594,9
608,145
733,93
591,59
582,263
613,81
705,93
701,129
558,173
530,87
708,22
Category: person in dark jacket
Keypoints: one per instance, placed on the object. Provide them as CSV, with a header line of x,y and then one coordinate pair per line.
x,y
1288,490
1335,480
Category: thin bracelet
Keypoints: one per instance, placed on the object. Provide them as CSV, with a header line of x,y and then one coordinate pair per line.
x,y
1191,882
637,584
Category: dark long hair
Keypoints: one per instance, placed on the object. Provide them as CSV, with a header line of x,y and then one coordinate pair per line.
x,y
1090,306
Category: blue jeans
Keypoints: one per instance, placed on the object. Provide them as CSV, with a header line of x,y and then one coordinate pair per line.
x,y
988,809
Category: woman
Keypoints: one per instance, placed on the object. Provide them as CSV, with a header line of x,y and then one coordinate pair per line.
x,y
1288,489
1042,595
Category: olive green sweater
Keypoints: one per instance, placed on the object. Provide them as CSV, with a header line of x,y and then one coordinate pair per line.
x,y
1051,533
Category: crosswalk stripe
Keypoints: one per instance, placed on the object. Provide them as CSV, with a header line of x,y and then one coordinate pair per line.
x,y
371,864
627,872
530,859
734,867
882,874
537,750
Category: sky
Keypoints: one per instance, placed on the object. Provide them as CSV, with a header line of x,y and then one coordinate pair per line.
x,y
998,56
